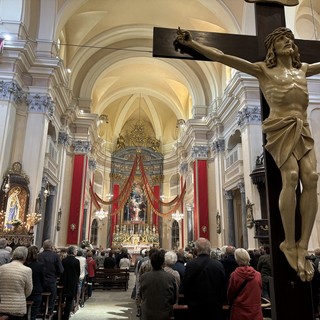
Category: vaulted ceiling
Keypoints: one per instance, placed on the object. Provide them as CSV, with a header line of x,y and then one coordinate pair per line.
x,y
107,45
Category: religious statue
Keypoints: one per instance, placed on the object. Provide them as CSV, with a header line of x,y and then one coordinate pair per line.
x,y
282,80
120,142
13,206
284,2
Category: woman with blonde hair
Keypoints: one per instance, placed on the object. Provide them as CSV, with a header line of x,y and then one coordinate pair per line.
x,y
244,289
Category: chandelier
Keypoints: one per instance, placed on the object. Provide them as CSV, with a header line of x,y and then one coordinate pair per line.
x,y
177,216
101,214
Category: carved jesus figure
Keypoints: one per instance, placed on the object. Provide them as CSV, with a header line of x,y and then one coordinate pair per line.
x,y
282,80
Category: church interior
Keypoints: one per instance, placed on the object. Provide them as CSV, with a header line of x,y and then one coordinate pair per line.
x,y
103,142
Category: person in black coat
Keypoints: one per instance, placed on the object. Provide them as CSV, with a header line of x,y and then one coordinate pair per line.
x,y
52,269
70,279
204,283
37,280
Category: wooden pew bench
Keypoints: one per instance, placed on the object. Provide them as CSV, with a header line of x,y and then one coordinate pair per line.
x,y
111,279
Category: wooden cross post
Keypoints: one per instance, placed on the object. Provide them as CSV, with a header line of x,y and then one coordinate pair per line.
x,y
290,297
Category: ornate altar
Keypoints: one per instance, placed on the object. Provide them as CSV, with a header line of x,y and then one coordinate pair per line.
x,y
16,225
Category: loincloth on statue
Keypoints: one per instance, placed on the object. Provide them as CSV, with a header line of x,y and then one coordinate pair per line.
x,y
287,136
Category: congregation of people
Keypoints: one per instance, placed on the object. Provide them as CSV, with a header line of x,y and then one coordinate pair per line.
x,y
205,279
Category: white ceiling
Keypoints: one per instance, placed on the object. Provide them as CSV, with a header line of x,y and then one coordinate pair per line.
x,y
107,44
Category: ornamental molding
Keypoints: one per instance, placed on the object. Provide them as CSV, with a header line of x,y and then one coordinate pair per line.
x,y
218,145
199,152
81,146
41,104
64,139
11,91
249,115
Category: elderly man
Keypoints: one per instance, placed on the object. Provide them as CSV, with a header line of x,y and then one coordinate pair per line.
x,y
52,268
16,285
4,253
204,283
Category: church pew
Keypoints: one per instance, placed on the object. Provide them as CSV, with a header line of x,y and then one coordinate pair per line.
x,y
111,279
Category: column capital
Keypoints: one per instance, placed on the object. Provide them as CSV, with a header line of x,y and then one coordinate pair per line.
x,y
228,194
200,152
249,115
41,103
81,146
11,91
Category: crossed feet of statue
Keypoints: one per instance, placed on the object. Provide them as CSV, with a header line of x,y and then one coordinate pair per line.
x,y
297,259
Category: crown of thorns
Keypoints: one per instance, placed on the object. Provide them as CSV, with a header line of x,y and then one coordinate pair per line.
x,y
276,34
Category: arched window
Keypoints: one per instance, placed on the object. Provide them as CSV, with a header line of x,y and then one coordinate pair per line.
x,y
94,232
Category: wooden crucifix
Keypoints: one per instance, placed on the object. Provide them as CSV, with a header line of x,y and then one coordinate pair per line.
x,y
291,297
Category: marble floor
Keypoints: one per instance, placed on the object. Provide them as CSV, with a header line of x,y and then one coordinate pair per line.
x,y
109,305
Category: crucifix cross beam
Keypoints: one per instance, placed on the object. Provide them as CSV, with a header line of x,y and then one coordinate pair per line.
x,y
286,286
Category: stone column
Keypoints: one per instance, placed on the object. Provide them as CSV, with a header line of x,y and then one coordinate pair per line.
x,y
231,230
243,215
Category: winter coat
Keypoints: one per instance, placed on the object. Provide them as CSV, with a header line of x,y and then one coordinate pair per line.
x,y
247,304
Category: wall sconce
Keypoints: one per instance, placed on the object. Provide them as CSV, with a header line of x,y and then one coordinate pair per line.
x,y
46,191
59,219
6,186
73,226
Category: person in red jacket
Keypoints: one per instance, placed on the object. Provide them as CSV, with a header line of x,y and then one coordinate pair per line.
x,y
244,289
92,266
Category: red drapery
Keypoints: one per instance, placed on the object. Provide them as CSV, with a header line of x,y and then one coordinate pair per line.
x,y
155,217
116,189
76,203
195,209
203,208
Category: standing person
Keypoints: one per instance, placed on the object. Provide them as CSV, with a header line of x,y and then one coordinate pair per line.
x,y
92,266
158,290
204,283
109,261
37,280
5,256
83,273
170,258
15,285
52,269
70,280
125,262
181,268
264,267
244,289
283,81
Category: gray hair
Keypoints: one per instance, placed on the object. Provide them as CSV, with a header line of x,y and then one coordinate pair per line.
x,y
242,257
72,250
170,258
20,253
203,246
47,244
3,243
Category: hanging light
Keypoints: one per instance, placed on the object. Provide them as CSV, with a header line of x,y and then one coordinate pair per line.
x,y
101,214
178,216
